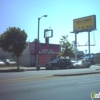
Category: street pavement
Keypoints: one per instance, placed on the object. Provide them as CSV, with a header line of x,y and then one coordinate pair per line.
x,y
26,86
61,84
94,69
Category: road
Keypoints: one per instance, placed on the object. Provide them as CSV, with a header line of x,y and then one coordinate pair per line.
x,y
25,86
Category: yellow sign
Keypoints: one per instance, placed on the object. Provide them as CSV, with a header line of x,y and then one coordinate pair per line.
x,y
84,24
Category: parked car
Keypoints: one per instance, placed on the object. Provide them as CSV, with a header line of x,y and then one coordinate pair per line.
x,y
9,61
81,63
1,63
58,63
73,61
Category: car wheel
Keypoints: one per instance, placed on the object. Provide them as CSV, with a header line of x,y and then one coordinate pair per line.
x,y
77,66
67,67
46,68
88,66
53,67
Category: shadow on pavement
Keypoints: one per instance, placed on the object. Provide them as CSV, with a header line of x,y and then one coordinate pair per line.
x,y
20,70
11,70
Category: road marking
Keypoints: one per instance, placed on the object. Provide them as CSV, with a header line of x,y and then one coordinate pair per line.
x,y
23,79
26,79
89,82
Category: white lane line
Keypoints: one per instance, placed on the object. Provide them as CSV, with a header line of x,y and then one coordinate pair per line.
x,y
89,82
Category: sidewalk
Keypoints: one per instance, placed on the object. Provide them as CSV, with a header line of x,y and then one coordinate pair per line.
x,y
94,69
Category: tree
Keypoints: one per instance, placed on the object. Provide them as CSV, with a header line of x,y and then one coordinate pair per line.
x,y
67,47
13,40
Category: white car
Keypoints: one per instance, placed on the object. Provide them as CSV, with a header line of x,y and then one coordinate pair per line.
x,y
82,63
1,63
10,61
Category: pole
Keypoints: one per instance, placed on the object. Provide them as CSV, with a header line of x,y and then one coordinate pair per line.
x,y
89,43
37,60
76,46
37,65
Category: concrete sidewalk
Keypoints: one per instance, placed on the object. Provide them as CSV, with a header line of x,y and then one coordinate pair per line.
x,y
94,69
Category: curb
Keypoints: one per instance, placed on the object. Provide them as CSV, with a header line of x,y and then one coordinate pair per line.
x,y
76,74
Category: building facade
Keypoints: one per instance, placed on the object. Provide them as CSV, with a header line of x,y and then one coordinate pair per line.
x,y
47,52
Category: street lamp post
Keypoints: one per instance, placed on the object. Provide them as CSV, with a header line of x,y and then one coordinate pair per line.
x,y
37,65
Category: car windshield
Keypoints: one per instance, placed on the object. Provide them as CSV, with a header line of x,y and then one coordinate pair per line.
x,y
55,60
10,60
78,61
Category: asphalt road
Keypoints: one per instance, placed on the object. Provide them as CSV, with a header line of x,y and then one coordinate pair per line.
x,y
25,86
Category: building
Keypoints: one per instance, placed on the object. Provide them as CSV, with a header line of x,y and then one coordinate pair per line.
x,y
47,52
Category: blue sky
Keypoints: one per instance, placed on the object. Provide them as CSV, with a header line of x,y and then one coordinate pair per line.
x,y
24,14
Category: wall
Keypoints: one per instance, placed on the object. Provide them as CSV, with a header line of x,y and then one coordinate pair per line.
x,y
23,60
46,52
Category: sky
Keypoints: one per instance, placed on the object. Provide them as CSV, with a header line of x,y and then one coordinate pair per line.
x,y
25,13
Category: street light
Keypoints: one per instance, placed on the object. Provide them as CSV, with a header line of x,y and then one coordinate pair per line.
x,y
37,65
